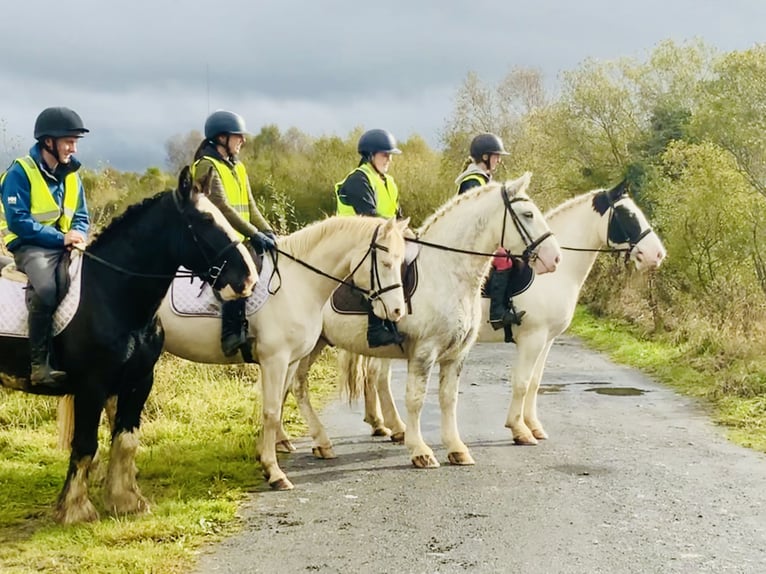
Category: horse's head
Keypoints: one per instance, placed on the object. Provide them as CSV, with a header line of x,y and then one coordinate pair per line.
x,y
210,246
627,228
525,229
378,269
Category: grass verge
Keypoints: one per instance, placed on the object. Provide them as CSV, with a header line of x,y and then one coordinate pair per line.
x,y
196,463
728,384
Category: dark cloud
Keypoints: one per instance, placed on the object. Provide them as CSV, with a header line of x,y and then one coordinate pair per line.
x,y
151,68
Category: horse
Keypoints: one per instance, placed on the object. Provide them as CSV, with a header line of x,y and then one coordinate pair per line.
x,y
311,262
586,225
446,308
111,342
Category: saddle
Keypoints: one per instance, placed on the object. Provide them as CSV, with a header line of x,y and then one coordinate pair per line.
x,y
349,301
518,282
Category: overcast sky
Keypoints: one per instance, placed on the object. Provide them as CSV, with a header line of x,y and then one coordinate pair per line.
x,y
139,72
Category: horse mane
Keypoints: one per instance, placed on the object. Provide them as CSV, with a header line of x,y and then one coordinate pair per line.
x,y
125,219
600,199
457,200
308,236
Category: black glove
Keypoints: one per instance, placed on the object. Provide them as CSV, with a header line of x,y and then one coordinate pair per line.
x,y
271,235
262,242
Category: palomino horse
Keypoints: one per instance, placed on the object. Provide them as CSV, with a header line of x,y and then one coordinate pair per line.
x,y
312,261
110,345
446,307
586,225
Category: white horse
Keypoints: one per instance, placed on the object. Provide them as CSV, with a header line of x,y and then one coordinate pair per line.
x,y
446,307
585,226
369,251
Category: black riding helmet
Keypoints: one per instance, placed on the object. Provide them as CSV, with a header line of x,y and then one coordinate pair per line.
x,y
223,122
374,141
59,122
486,144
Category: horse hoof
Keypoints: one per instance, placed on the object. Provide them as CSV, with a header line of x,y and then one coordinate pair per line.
x,y
86,513
381,431
540,434
425,461
525,440
461,458
285,446
397,438
133,504
281,484
323,452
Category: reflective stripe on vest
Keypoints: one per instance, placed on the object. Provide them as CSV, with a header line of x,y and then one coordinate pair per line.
x,y
386,193
476,176
43,206
235,187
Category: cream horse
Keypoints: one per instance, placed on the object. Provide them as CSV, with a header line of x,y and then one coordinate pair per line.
x,y
446,307
585,225
370,251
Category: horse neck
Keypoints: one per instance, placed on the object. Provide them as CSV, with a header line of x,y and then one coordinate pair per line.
x,y
144,247
578,226
472,223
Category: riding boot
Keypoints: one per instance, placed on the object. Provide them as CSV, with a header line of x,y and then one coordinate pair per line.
x,y
381,332
497,291
40,334
233,326
511,315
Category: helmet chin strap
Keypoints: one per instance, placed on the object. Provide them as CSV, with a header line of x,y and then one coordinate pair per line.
x,y
54,151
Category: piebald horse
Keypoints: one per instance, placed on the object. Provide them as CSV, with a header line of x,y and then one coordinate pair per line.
x,y
446,308
594,222
311,262
112,340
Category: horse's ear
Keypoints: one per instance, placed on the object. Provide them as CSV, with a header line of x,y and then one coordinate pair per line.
x,y
185,183
204,184
619,190
403,224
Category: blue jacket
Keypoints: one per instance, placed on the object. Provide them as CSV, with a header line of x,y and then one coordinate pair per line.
x,y
17,214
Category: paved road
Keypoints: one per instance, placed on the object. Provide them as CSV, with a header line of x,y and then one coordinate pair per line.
x,y
640,483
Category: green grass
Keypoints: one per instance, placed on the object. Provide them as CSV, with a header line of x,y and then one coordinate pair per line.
x,y
196,463
732,386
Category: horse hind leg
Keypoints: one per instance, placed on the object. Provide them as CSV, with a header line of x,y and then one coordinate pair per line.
x,y
122,494
372,412
74,504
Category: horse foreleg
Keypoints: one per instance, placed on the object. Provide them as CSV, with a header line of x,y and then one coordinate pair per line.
x,y
322,447
418,372
530,404
73,503
529,348
391,418
449,380
274,372
122,494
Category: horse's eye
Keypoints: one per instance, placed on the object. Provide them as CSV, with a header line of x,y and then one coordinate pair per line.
x,y
387,264
529,215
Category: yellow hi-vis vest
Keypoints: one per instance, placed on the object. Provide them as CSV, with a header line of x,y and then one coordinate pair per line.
x,y
386,193
476,176
235,187
43,206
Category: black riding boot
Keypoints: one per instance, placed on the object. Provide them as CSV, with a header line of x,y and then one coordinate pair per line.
x,y
501,309
233,326
40,327
381,333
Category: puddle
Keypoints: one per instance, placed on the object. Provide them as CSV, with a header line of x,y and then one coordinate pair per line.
x,y
618,391
549,389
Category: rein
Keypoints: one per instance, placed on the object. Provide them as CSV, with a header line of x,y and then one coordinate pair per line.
x,y
531,244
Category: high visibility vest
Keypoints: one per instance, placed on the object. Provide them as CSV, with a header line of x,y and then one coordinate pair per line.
x,y
43,206
386,193
234,187
472,176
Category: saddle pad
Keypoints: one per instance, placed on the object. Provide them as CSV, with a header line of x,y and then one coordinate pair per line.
x,y
196,298
13,308
518,282
348,301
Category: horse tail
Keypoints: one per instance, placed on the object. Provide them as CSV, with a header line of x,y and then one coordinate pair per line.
x,y
65,419
352,373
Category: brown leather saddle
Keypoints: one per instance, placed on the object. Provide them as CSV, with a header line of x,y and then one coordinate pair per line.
x,y
348,301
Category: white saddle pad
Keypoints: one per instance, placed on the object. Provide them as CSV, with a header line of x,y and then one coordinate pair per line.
x,y
13,308
194,297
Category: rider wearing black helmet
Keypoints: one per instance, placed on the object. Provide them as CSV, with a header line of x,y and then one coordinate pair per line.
x,y
44,215
225,134
369,190
485,154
